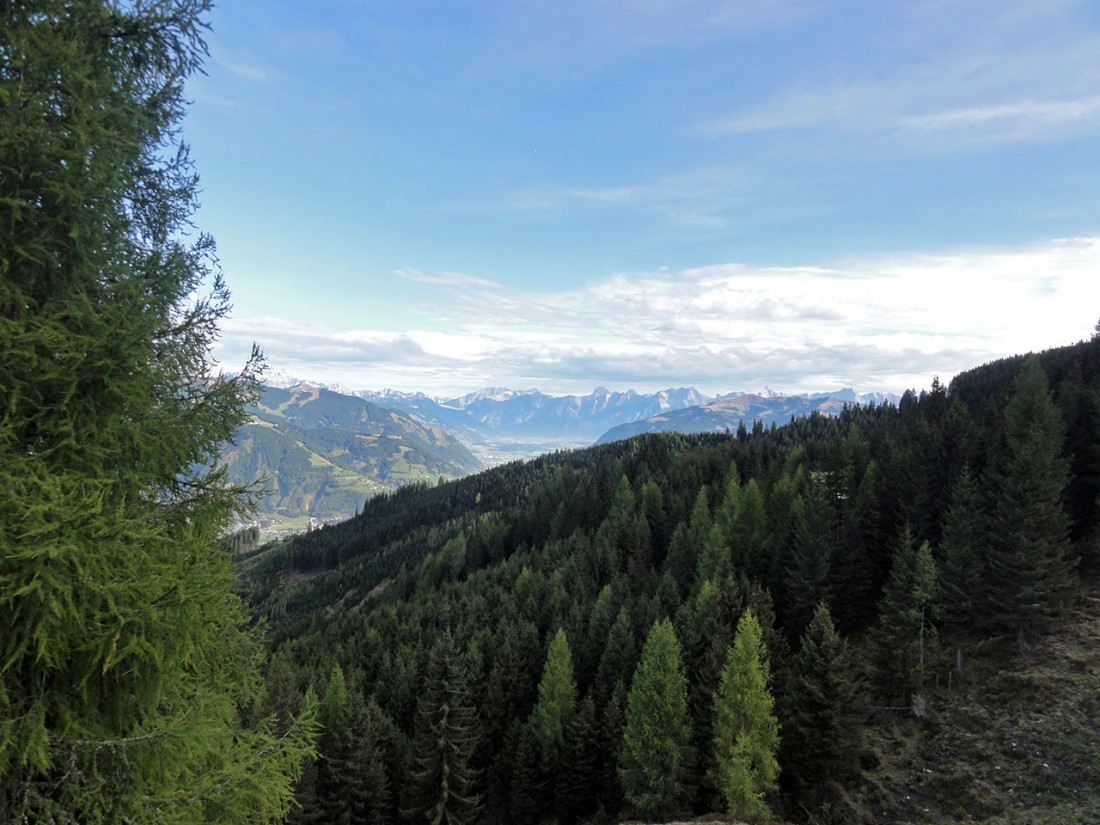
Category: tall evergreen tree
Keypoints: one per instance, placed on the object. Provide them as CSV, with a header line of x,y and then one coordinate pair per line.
x,y
963,557
810,553
557,699
746,731
611,796
1031,577
126,660
442,781
906,635
353,786
821,733
655,757
530,795
577,790
619,656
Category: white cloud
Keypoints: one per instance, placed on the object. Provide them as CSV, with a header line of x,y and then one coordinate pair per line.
x,y
883,323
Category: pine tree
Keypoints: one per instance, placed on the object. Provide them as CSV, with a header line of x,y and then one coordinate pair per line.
x,y
821,734
656,737
746,732
127,665
1031,578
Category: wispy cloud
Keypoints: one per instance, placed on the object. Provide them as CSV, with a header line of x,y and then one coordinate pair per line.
x,y
1025,73
690,198
878,323
447,279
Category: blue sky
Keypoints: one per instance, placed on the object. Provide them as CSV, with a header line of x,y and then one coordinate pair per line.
x,y
799,193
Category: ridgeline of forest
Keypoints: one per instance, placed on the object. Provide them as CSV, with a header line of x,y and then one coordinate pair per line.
x,y
901,592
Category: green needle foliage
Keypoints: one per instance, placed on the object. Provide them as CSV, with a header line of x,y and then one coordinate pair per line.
x,y
443,779
126,667
746,731
821,732
557,699
654,762
906,637
1031,574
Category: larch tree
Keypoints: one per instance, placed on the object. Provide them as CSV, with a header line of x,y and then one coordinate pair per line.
x,y
656,754
746,731
127,668
557,700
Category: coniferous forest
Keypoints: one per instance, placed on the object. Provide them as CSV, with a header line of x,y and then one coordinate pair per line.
x,y
889,615
755,623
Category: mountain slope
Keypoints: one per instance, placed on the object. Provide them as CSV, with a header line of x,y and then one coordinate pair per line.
x,y
321,453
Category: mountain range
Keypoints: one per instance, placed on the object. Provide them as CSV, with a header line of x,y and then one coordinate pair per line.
x,y
493,414
529,414
319,451
728,412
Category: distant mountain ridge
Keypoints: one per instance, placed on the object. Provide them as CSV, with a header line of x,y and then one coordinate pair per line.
x,y
727,412
481,417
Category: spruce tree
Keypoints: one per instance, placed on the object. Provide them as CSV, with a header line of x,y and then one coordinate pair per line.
x,y
352,785
127,666
529,795
905,636
963,557
611,795
655,757
1031,577
577,790
746,731
442,780
822,723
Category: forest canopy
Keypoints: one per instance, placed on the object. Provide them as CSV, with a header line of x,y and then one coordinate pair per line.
x,y
892,559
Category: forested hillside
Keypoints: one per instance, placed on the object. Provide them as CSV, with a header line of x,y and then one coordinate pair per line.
x,y
807,620
319,454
